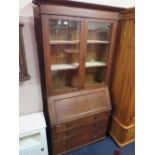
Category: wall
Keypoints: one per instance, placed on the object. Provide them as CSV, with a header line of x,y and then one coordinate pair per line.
x,y
116,3
30,99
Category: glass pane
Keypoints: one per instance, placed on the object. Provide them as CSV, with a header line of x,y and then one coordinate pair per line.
x,y
64,49
99,31
94,76
98,40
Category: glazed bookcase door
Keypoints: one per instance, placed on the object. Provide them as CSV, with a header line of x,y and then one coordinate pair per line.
x,y
98,43
64,46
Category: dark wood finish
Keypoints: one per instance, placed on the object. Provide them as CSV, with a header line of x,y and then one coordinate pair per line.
x,y
76,117
79,132
78,12
45,19
79,5
83,49
123,82
67,107
23,73
39,39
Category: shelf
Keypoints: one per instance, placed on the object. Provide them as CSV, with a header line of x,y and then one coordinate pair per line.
x,y
97,42
70,51
30,141
54,42
89,84
58,67
65,88
95,64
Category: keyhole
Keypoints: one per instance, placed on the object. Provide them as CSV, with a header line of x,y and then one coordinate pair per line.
x,y
42,149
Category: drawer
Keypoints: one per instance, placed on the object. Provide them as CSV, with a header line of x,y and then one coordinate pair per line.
x,y
81,130
83,141
59,149
82,122
79,137
60,127
100,133
62,142
102,124
102,116
59,135
60,145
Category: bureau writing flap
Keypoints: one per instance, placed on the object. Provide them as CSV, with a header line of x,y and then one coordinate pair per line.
x,y
64,108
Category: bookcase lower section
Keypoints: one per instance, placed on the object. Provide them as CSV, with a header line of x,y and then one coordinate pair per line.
x,y
72,149
75,134
122,134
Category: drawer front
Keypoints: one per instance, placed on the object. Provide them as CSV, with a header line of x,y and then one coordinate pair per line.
x,y
62,142
59,149
60,146
102,116
61,127
80,143
59,135
101,124
80,137
82,122
100,133
79,132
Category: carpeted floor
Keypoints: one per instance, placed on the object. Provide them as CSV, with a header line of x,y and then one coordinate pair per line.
x,y
104,147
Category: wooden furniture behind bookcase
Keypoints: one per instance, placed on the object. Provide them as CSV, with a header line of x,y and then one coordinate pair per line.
x,y
123,82
75,48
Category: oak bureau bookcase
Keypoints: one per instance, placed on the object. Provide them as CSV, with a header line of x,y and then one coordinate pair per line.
x,y
75,47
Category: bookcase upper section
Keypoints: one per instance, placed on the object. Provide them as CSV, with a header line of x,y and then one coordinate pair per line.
x,y
78,50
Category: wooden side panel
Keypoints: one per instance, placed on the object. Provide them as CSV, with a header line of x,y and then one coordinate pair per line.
x,y
123,82
124,75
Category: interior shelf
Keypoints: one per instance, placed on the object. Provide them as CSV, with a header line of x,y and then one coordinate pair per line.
x,y
98,42
95,64
53,42
57,67
71,51
88,84
65,88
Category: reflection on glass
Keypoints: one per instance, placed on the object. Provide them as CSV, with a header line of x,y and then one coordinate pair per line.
x,y
64,48
94,76
65,80
65,30
99,31
98,40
